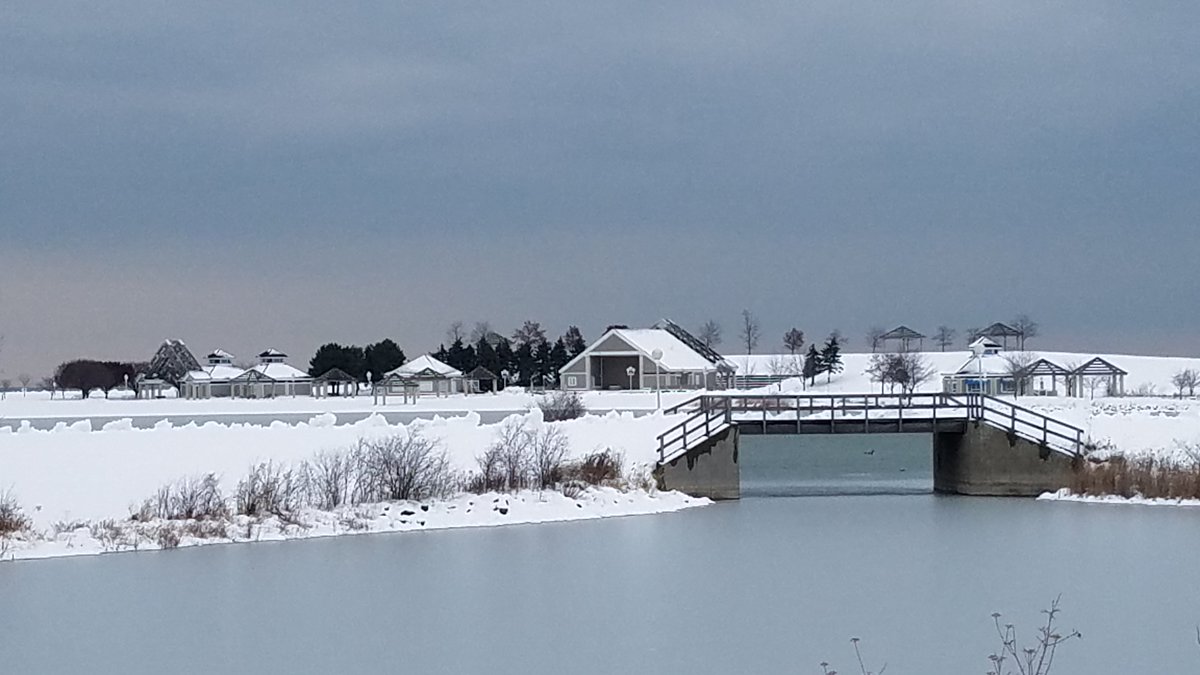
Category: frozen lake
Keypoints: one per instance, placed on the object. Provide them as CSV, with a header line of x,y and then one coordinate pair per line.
x,y
770,584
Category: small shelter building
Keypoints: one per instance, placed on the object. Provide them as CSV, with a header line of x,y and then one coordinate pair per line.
x,y
334,382
480,380
902,339
1094,372
986,372
214,379
432,376
624,358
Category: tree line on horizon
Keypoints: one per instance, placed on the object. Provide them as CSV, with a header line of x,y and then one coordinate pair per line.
x,y
528,357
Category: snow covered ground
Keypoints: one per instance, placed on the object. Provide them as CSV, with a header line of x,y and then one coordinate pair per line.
x,y
1152,371
38,404
72,479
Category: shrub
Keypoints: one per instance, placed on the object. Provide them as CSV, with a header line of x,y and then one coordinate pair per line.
x,y
561,405
549,449
1147,477
12,518
599,468
186,499
408,468
269,490
329,479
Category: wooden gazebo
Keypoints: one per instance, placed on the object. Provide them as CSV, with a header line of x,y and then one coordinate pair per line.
x,y
396,385
904,336
1046,368
1097,367
334,382
480,380
1000,331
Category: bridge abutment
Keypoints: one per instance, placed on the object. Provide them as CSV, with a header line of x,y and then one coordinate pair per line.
x,y
986,461
708,470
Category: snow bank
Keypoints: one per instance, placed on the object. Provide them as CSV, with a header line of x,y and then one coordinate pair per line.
x,y
1065,495
63,475
487,510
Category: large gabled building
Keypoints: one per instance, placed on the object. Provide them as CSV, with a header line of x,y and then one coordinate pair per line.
x,y
666,356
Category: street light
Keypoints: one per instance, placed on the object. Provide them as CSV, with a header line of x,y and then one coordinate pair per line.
x,y
655,356
630,371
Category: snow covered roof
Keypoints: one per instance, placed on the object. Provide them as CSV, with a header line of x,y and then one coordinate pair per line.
x,y
279,371
985,342
423,363
984,365
272,354
676,354
220,354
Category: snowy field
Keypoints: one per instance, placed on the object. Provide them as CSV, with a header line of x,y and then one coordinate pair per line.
x,y
38,404
73,478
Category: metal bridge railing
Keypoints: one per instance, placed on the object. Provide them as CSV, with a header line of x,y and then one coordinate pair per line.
x,y
709,414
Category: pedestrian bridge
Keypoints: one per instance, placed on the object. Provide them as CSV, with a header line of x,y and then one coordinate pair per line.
x,y
981,444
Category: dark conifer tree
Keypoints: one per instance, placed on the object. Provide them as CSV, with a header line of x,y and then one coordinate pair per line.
x,y
812,364
831,357
383,357
505,358
573,341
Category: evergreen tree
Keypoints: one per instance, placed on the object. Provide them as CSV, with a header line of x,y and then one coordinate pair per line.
x,y
560,355
544,365
485,356
573,342
505,358
442,354
460,357
382,357
350,358
812,364
831,357
525,362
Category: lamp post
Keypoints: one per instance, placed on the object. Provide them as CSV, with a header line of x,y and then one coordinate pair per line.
x,y
655,356
630,372
504,376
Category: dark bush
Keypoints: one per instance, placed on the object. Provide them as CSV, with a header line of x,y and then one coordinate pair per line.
x,y
269,490
561,405
12,518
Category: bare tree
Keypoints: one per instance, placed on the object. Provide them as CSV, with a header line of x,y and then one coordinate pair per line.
x,y
970,335
784,366
1187,379
455,332
906,370
710,333
1027,327
5,385
751,331
793,340
873,335
1016,366
944,337
24,379
480,331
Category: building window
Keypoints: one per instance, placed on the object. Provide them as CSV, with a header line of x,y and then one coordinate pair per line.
x,y
571,381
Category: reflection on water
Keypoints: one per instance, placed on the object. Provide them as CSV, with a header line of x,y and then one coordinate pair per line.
x,y
819,465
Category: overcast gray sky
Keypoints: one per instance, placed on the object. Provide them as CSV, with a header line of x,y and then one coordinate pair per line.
x,y
248,175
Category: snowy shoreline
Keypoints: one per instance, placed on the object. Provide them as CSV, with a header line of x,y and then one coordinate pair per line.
x,y
464,511
1065,495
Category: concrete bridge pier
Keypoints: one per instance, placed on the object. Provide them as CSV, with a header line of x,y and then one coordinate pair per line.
x,y
987,461
708,470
